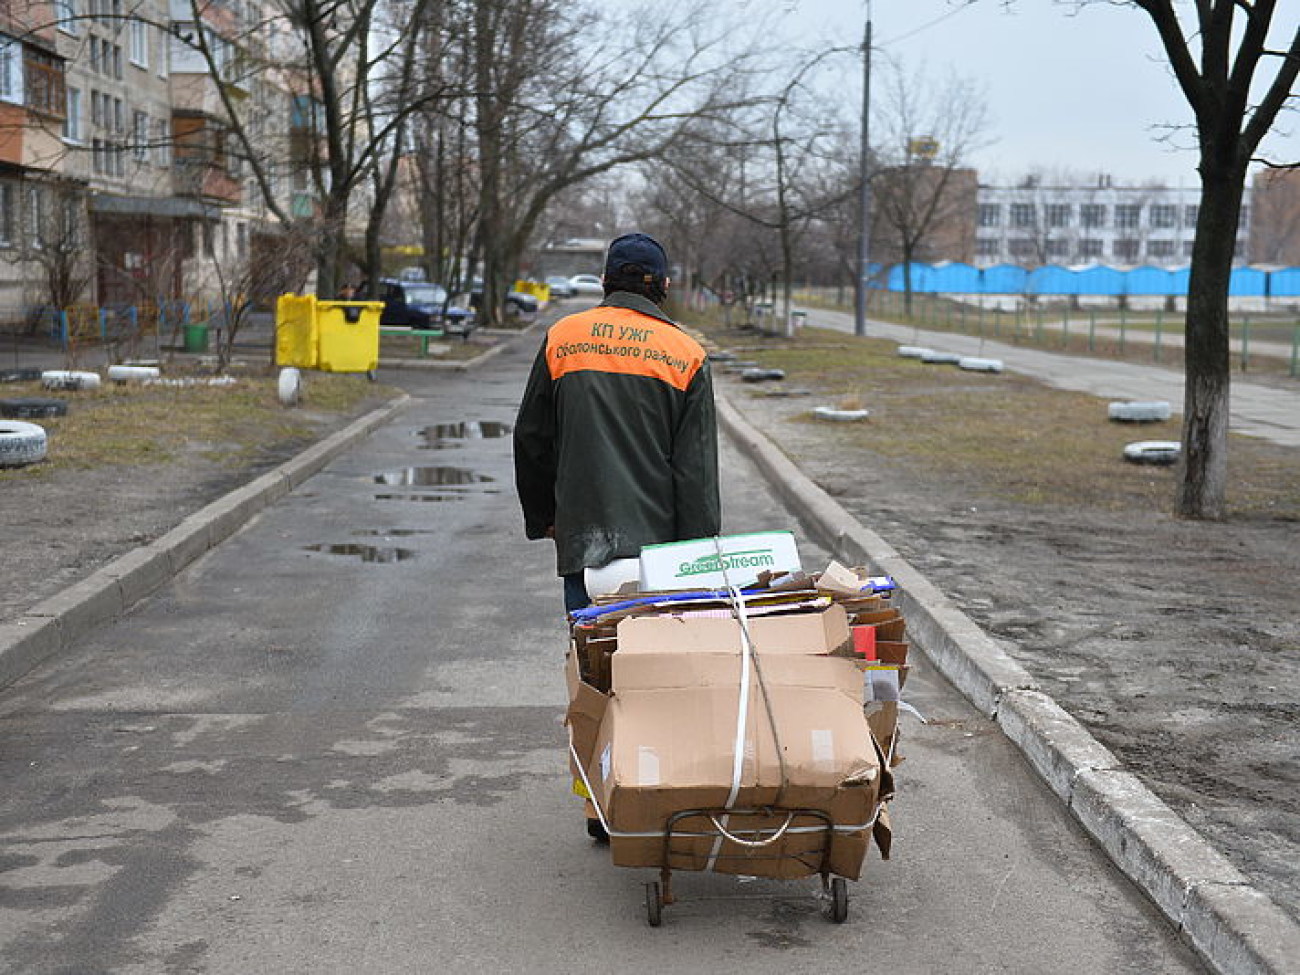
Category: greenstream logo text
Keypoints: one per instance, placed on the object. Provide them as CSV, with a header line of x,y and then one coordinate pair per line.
x,y
759,558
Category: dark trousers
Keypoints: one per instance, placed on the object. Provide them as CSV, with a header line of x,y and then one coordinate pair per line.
x,y
575,592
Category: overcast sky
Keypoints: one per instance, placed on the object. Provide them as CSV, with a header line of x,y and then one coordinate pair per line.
x,y
1080,92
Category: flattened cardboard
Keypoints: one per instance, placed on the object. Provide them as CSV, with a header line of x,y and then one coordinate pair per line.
x,y
822,632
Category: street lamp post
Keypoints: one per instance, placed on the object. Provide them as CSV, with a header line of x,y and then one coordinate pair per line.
x,y
864,194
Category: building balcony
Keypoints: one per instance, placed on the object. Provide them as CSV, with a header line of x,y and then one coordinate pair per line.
x,y
206,180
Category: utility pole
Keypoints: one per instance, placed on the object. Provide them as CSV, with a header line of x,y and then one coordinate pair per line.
x,y
864,194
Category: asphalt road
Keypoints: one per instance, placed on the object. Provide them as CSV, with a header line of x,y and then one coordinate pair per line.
x,y
291,759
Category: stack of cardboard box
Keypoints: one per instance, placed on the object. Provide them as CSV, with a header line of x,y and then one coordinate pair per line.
x,y
751,734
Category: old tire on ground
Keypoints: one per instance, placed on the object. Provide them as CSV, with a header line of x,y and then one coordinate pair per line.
x,y
940,358
1163,452
25,374
31,407
1155,411
289,386
68,379
123,373
21,443
975,364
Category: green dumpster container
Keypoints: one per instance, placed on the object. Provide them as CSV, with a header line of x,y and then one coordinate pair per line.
x,y
196,337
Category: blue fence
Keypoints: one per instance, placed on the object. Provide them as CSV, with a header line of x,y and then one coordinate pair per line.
x,y
1096,280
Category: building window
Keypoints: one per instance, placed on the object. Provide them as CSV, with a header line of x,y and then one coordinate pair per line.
x,y
988,247
140,136
1057,248
36,215
1126,250
6,214
1022,215
1188,245
1128,215
72,119
1160,248
1092,215
1090,248
1021,247
140,43
1059,214
1164,215
1190,213
160,150
65,15
11,70
44,78
1244,219
990,215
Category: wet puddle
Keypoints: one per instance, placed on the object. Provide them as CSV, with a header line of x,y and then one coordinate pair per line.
x,y
431,477
367,553
391,532
443,435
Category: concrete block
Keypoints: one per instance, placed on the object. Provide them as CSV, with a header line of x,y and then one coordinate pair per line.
x,y
1152,845
24,643
186,542
1057,746
1241,931
139,573
83,606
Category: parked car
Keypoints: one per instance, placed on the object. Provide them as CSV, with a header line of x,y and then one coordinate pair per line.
x,y
560,286
587,284
516,302
422,304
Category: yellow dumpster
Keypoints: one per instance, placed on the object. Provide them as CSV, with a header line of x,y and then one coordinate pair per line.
x,y
332,336
348,335
295,331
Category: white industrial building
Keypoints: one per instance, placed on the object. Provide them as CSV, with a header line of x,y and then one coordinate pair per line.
x,y
1036,223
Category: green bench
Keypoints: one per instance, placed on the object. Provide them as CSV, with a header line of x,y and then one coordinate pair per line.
x,y
423,334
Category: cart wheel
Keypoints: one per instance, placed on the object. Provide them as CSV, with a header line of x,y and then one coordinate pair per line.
x,y
839,900
654,905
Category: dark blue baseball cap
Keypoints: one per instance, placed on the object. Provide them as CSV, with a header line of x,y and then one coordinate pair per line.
x,y
639,249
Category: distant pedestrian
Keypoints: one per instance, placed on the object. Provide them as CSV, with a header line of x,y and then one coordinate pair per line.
x,y
616,438
347,292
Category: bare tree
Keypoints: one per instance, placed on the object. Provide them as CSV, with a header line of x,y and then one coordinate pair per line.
x,y
1216,57
567,91
921,185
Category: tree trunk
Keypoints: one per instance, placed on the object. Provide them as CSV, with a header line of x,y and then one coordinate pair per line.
x,y
1203,471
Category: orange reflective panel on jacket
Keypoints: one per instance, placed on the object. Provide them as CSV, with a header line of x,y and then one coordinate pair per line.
x,y
620,340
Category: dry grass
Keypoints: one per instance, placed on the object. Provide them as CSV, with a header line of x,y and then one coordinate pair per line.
x,y
1002,435
133,424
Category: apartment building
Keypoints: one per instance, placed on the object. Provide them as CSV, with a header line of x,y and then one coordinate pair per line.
x,y
32,101
117,165
1037,222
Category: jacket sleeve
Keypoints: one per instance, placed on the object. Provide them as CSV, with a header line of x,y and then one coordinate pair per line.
x,y
534,448
695,462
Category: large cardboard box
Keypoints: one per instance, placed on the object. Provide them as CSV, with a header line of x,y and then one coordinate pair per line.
x,y
712,563
667,739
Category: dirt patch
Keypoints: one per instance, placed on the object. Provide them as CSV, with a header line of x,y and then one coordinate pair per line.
x,y
127,465
1176,644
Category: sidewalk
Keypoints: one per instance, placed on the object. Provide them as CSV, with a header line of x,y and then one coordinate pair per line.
x,y
1257,410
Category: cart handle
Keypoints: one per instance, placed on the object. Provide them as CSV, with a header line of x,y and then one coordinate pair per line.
x,y
752,843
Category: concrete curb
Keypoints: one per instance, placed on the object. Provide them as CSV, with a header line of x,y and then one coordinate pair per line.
x,y
54,623
1235,928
